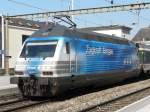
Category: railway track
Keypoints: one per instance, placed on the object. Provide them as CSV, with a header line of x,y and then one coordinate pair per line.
x,y
9,98
107,100
112,99
120,102
16,102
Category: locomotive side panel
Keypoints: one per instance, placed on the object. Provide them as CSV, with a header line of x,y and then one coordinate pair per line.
x,y
101,62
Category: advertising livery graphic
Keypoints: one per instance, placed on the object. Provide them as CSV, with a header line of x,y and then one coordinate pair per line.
x,y
103,57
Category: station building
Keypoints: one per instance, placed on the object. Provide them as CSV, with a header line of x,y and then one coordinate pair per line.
x,y
16,31
115,30
143,36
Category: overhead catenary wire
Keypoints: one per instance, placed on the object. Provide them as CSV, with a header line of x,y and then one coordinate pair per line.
x,y
14,1
110,1
30,6
85,21
35,7
27,5
137,13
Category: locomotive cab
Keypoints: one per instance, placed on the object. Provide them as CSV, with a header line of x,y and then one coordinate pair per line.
x,y
43,63
34,56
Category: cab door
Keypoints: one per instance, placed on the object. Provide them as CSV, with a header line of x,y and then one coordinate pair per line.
x,y
70,50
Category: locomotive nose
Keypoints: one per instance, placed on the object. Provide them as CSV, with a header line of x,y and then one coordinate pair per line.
x,y
32,67
32,71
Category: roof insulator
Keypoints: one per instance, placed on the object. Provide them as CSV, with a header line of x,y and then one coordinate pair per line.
x,y
20,23
29,24
112,2
37,25
11,22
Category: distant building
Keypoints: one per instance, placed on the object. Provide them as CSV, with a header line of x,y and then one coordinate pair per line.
x,y
15,33
143,36
116,30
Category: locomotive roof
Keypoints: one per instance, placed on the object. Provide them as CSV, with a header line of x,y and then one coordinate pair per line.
x,y
53,29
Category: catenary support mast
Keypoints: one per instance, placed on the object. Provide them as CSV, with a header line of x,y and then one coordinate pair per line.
x,y
115,8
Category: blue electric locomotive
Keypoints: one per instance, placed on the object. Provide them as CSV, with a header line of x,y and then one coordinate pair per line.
x,y
55,59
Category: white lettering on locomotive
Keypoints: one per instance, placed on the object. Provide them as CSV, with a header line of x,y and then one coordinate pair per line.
x,y
98,50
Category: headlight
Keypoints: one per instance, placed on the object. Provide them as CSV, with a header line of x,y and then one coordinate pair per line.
x,y
47,73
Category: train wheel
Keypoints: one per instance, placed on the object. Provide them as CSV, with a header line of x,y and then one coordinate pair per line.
x,y
147,72
21,91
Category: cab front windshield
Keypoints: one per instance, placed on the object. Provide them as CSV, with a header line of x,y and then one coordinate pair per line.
x,y
38,49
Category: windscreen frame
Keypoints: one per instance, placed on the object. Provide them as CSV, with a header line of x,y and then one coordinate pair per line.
x,y
40,43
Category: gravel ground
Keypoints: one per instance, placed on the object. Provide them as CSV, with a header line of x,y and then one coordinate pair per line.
x,y
118,104
82,102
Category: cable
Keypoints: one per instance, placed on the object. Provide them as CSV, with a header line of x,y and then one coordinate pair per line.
x,y
31,6
138,13
83,20
76,3
62,3
27,5
110,1
140,16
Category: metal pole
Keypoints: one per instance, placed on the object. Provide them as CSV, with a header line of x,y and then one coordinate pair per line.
x,y
6,47
72,7
72,4
3,41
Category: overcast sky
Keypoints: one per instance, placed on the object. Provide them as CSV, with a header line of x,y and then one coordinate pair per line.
x,y
121,18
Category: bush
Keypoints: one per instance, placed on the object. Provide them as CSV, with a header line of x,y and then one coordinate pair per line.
x,y
11,71
2,72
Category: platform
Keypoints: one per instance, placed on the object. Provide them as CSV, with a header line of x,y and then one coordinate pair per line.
x,y
6,87
142,105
